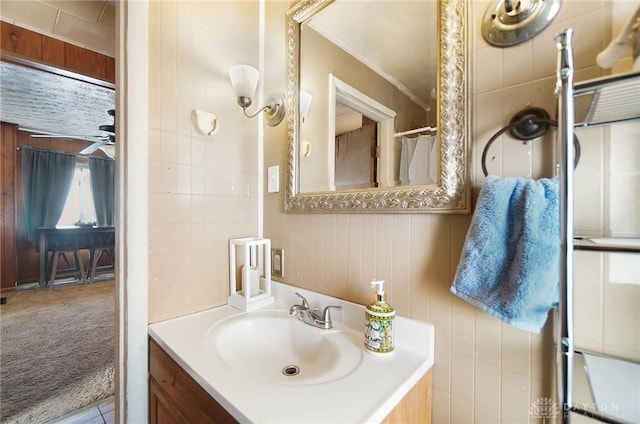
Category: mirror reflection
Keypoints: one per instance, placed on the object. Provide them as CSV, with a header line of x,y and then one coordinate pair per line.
x,y
353,132
388,124
336,81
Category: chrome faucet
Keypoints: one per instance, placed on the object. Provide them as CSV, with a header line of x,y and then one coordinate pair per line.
x,y
311,317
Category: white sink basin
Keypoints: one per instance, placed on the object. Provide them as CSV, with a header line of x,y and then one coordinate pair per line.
x,y
276,348
238,358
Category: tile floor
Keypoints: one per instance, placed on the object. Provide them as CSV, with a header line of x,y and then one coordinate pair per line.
x,y
102,412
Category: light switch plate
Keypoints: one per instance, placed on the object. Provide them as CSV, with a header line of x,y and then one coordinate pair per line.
x,y
273,179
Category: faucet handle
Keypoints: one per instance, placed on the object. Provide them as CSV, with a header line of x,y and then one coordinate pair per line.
x,y
304,301
326,315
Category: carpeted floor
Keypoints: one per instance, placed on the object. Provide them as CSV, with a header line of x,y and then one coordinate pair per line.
x,y
56,351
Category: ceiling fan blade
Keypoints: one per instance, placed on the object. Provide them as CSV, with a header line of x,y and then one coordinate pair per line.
x,y
75,137
45,134
95,146
109,150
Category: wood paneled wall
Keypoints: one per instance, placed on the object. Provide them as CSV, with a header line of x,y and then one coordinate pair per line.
x,y
8,252
21,43
18,260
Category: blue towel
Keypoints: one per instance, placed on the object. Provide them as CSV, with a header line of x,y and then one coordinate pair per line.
x,y
510,260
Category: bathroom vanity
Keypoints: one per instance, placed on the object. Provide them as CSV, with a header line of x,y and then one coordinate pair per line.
x,y
176,397
224,365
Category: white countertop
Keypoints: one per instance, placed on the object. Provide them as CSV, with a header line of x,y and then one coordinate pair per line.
x,y
366,395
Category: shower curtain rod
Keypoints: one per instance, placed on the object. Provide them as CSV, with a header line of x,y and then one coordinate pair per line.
x,y
418,130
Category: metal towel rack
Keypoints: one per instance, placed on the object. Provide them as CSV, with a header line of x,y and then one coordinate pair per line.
x,y
607,100
612,99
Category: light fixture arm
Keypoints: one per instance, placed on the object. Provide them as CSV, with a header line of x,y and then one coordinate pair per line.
x,y
274,109
244,80
244,109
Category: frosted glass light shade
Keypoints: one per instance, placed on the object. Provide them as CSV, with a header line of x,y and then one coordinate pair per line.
x,y
305,103
244,80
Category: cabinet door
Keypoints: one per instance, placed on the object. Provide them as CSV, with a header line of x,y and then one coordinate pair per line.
x,y
161,410
178,398
415,407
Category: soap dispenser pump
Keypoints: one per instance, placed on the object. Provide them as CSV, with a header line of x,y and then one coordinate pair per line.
x,y
379,316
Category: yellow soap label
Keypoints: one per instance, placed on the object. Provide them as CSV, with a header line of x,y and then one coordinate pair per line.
x,y
378,334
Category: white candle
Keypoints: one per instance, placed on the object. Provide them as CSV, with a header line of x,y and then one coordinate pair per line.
x,y
254,281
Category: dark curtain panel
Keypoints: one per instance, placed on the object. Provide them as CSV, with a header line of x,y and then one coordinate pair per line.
x,y
46,181
103,186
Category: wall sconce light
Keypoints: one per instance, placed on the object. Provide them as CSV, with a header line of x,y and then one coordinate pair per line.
x,y
305,104
244,80
206,122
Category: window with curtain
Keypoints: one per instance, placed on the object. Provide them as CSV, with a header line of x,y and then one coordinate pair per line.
x,y
103,183
46,178
79,208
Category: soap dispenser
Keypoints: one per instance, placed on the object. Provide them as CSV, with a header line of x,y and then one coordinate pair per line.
x,y
379,316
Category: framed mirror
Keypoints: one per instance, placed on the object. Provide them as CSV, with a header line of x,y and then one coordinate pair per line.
x,y
342,78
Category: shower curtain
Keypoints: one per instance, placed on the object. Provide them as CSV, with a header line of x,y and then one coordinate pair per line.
x,y
418,158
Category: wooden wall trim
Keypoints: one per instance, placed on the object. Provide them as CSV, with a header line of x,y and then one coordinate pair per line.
x,y
8,252
43,52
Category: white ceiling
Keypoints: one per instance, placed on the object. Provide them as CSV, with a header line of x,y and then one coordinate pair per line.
x,y
51,103
88,23
396,38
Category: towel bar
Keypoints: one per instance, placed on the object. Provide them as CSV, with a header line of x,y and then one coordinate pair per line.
x,y
523,119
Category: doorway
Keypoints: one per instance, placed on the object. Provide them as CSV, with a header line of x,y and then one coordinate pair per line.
x,y
55,142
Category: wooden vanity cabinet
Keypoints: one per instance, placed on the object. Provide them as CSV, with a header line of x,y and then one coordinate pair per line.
x,y
174,397
415,406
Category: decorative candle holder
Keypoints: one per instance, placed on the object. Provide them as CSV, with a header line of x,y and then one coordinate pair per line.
x,y
249,273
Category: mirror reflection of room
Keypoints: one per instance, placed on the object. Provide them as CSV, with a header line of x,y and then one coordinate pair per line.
x,y
356,147
418,160
403,83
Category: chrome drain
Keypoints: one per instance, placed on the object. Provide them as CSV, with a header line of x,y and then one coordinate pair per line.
x,y
291,370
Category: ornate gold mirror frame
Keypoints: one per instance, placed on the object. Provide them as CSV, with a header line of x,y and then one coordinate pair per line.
x,y
452,193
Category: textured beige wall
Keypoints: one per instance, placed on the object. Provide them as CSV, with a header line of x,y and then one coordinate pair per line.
x,y
202,190
485,371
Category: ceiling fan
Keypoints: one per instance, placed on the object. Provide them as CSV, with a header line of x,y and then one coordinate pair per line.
x,y
105,142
